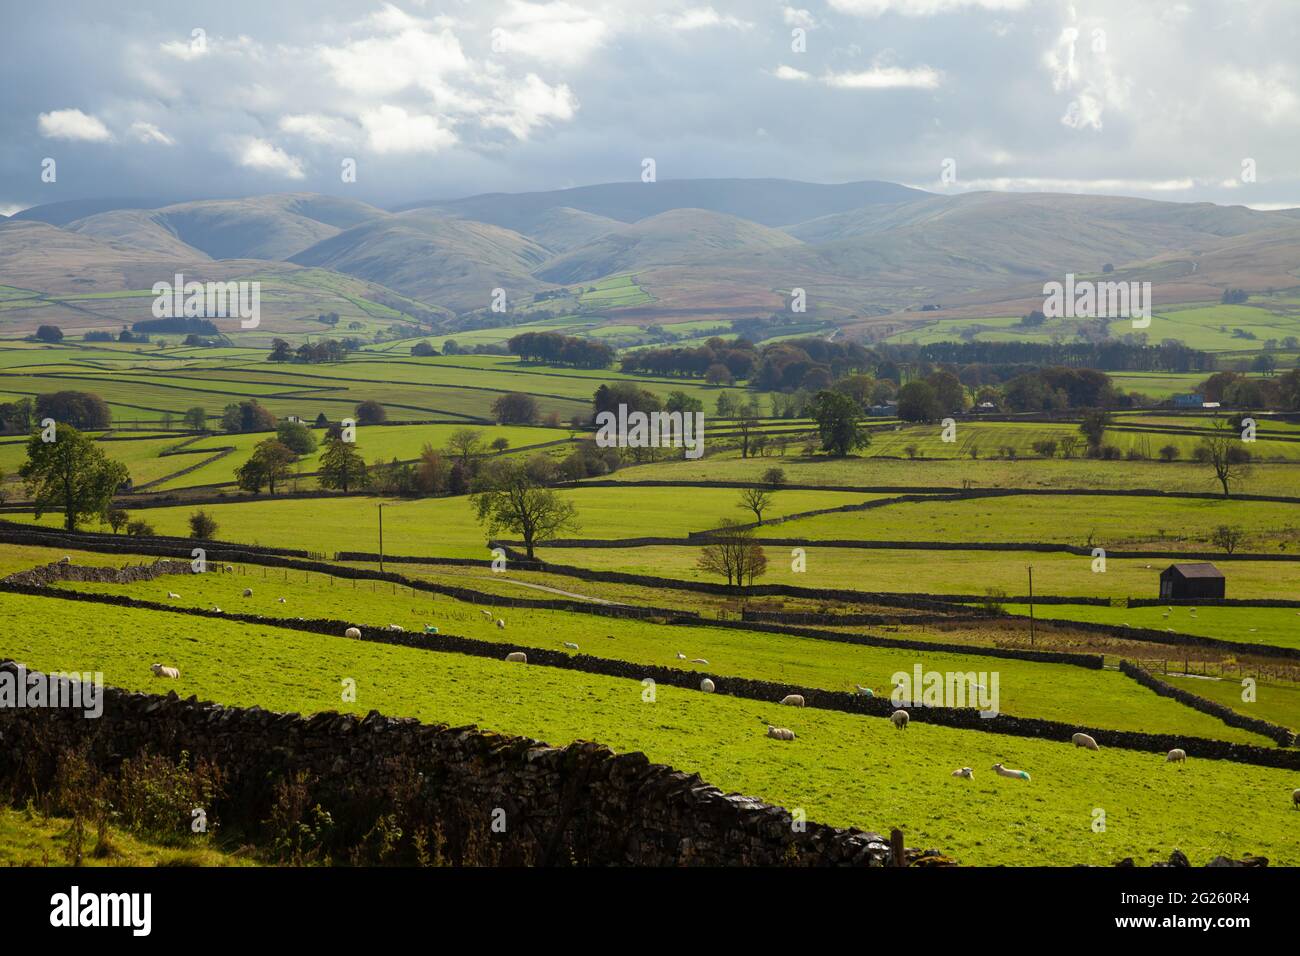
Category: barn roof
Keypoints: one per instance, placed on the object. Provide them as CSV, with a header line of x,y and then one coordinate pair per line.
x,y
1202,570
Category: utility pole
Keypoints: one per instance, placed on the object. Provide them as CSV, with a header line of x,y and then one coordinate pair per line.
x,y
1031,605
381,538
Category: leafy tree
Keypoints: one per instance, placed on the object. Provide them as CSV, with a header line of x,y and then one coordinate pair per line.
x,y
341,466
196,419
370,412
510,500
1169,453
838,418
248,416
681,402
917,402
725,405
117,519
281,351
1093,428
756,500
268,465
747,422
322,421
733,553
139,528
515,408
203,526
774,478
296,436
71,473
49,333
78,409
466,443
432,474
423,350
500,444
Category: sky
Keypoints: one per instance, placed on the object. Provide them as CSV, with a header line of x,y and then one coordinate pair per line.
x,y
175,99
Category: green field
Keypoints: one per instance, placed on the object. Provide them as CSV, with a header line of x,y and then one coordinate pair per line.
x,y
1279,626
842,770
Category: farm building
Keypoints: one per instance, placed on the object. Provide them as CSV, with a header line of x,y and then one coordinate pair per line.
x,y
1192,581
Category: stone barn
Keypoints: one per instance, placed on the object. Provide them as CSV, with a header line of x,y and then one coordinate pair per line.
x,y
1192,581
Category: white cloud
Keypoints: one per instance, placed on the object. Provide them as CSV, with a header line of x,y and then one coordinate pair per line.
x,y
784,72
1106,186
531,104
921,8
699,18
317,127
262,155
73,124
798,17
885,78
391,129
1270,95
148,133
11,208
411,56
551,32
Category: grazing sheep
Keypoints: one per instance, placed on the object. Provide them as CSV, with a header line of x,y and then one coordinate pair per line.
x,y
394,627
780,733
66,559
1177,755
698,660
1295,799
517,657
1083,740
281,601
229,569
706,685
966,773
864,691
900,719
501,625
352,632
487,614
217,610
681,656
160,671
1002,771
570,645
793,700
248,592
173,595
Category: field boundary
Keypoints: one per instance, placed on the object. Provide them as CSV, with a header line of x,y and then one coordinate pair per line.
x,y
1284,736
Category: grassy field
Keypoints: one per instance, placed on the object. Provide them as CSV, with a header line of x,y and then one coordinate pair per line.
x,y
28,838
1279,626
842,769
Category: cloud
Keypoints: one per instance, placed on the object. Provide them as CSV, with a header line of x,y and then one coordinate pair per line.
x,y
921,8
9,209
1088,72
1043,184
797,17
699,18
885,78
391,129
318,128
1270,95
784,72
73,124
259,154
549,32
148,133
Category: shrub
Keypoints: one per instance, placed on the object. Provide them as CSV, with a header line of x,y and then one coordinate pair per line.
x,y
203,525
139,528
1169,453
1111,452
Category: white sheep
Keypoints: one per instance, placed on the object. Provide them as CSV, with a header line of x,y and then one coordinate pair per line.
x,y
1177,755
900,719
1002,771
66,559
681,656
570,645
394,627
353,632
966,773
780,733
698,660
864,691
517,657
229,569
217,610
792,700
248,592
1083,740
487,614
281,601
501,625
173,595
160,671
706,685
1295,799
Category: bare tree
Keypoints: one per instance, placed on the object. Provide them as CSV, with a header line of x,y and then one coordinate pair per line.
x,y
1221,451
756,500
1227,537
733,553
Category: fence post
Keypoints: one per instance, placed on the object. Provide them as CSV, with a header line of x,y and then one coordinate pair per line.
x,y
896,853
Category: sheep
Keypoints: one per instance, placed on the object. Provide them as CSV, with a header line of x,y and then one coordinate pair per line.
x,y
173,595
248,592
780,733
864,691
570,645
681,656
395,627
281,601
517,657
501,625
966,773
698,660
706,685
487,614
900,719
1295,799
217,610
430,629
793,700
229,569
353,632
1177,755
160,671
66,559
1002,771
1083,740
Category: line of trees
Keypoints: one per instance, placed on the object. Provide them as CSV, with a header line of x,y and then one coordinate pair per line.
x,y
552,348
